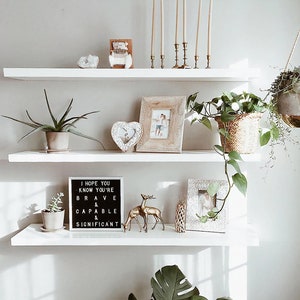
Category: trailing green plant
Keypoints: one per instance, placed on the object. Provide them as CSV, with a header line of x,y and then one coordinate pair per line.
x,y
53,205
169,283
227,107
62,124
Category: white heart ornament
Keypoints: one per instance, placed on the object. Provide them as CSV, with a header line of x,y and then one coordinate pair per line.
x,y
126,135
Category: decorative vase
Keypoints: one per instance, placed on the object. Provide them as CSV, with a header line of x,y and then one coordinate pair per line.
x,y
53,220
57,141
180,217
288,105
243,133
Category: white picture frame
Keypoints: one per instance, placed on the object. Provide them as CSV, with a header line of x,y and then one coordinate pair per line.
x,y
199,202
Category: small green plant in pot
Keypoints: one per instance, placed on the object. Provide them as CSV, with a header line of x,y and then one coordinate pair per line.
x,y
57,133
53,215
238,117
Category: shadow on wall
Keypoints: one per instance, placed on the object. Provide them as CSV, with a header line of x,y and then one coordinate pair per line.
x,y
86,273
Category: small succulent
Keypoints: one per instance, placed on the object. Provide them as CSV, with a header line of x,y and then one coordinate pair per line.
x,y
63,124
53,206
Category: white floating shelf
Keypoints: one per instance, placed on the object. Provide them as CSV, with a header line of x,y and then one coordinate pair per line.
x,y
230,74
236,235
117,156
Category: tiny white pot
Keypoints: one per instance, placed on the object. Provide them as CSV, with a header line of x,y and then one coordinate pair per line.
x,y
57,141
53,220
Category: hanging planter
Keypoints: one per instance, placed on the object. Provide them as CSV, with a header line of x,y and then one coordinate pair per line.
x,y
285,93
242,133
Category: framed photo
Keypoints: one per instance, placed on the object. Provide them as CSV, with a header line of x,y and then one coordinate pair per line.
x,y
199,203
162,119
96,203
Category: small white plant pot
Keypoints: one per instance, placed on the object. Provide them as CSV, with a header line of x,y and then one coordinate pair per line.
x,y
57,141
53,220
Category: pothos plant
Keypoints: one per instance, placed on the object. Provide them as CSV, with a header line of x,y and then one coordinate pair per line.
x,y
227,107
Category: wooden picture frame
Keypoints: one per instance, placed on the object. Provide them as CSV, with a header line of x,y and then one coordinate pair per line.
x,y
162,119
96,203
200,202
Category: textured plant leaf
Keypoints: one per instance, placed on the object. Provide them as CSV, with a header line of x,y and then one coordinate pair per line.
x,y
170,283
234,163
265,138
234,155
206,122
240,182
213,188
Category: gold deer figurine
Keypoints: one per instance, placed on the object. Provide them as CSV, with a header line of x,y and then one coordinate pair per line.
x,y
150,211
133,214
143,211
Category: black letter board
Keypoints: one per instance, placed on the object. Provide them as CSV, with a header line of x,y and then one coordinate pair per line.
x,y
96,203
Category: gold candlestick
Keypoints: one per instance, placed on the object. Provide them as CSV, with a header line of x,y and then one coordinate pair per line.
x,y
162,57
176,66
208,61
185,65
196,61
152,57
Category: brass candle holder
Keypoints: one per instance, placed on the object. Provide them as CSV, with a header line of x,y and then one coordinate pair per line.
x,y
196,61
185,65
176,66
152,57
162,57
208,61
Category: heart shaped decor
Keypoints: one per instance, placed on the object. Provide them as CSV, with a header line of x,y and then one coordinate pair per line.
x,y
126,135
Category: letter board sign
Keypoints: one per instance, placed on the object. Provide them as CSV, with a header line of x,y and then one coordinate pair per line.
x,y
96,203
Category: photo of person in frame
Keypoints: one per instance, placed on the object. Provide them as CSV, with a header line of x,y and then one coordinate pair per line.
x,y
160,121
205,202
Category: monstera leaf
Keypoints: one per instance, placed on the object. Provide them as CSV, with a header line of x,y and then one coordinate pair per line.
x,y
171,284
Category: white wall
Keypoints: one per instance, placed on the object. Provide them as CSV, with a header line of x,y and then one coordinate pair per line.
x,y
55,34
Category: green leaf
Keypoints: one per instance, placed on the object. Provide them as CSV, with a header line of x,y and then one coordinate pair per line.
x,y
240,181
227,117
234,163
275,132
265,138
191,98
213,188
224,132
202,219
235,155
212,214
170,283
206,122
219,149
131,297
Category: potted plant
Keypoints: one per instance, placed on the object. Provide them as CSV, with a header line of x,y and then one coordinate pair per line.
x,y
53,215
238,117
169,283
285,93
285,96
57,133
